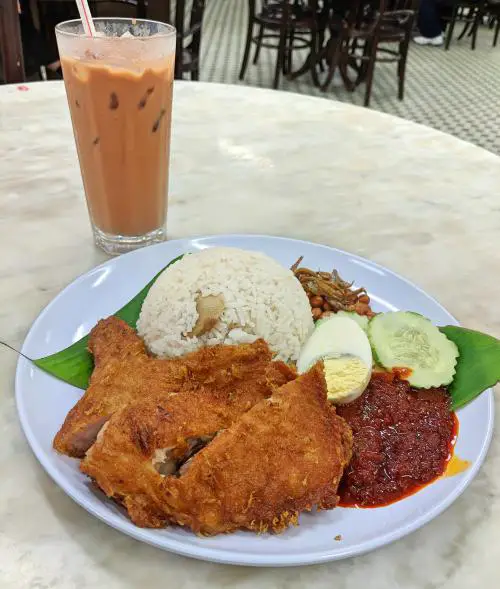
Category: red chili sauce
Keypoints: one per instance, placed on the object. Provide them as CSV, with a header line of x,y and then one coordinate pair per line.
x,y
403,440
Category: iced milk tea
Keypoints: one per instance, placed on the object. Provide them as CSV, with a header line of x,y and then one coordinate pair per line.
x,y
119,89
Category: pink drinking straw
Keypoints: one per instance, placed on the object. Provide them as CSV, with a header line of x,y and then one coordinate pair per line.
x,y
87,22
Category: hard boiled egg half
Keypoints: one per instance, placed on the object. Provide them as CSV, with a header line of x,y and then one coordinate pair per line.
x,y
347,357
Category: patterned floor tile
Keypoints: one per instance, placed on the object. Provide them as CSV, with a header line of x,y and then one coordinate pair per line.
x,y
455,91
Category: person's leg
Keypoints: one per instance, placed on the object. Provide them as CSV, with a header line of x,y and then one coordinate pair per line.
x,y
37,53
30,49
445,11
429,20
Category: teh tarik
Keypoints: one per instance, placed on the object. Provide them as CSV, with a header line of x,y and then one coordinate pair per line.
x,y
120,97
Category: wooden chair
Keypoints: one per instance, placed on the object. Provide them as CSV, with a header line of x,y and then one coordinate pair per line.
x,y
139,5
187,17
492,8
67,9
283,25
187,59
469,12
368,35
11,49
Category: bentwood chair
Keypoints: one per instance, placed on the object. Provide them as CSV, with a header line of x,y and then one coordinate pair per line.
x,y
186,15
369,35
52,12
189,23
493,9
470,13
283,25
11,49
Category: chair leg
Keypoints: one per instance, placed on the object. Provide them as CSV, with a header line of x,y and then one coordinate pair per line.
x,y
248,44
465,31
289,56
361,70
258,44
402,67
451,27
369,72
179,49
319,42
197,10
474,36
313,56
478,17
497,30
333,57
280,58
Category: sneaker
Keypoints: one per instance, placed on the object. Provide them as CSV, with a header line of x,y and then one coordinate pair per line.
x,y
435,41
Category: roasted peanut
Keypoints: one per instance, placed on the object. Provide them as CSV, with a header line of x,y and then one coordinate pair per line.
x,y
316,313
361,308
317,301
326,307
364,299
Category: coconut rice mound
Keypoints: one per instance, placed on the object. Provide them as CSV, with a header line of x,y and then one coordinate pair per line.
x,y
261,299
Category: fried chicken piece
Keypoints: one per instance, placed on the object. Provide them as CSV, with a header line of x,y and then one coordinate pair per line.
x,y
285,455
124,372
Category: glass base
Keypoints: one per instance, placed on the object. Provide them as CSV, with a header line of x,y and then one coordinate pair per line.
x,y
115,245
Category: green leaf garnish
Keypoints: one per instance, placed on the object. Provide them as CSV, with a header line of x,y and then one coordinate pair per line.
x,y
74,364
478,366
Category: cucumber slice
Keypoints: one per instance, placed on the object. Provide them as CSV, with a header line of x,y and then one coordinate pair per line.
x,y
403,339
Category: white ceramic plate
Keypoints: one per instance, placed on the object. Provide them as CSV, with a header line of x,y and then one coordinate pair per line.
x,y
43,403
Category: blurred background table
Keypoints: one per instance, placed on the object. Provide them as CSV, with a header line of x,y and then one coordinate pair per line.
x,y
244,160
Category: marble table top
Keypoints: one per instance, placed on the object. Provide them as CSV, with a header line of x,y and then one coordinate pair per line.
x,y
244,160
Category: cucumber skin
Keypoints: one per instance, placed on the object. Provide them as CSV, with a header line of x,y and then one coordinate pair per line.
x,y
378,361
361,320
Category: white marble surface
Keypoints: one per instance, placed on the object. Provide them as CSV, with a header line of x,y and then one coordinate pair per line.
x,y
244,160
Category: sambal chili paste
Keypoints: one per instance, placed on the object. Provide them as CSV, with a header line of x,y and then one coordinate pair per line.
x,y
403,439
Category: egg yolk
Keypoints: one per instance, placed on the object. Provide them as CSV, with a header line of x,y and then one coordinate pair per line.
x,y
343,375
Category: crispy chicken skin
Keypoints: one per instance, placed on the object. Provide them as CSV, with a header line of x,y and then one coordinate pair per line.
x,y
283,456
286,455
125,373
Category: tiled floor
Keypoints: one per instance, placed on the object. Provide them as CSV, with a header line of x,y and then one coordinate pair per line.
x,y
456,91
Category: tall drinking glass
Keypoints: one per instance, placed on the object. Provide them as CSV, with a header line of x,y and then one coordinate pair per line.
x,y
119,87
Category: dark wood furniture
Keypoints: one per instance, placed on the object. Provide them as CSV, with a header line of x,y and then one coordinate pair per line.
x,y
469,12
11,49
52,12
283,25
139,5
369,34
187,59
493,9
492,15
185,15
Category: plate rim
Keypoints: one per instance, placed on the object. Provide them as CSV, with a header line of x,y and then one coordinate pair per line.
x,y
225,556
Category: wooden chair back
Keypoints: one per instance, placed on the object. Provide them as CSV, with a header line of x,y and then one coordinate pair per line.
x,y
396,13
188,21
11,48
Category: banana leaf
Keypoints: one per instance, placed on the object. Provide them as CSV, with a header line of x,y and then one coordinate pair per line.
x,y
478,366
74,364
